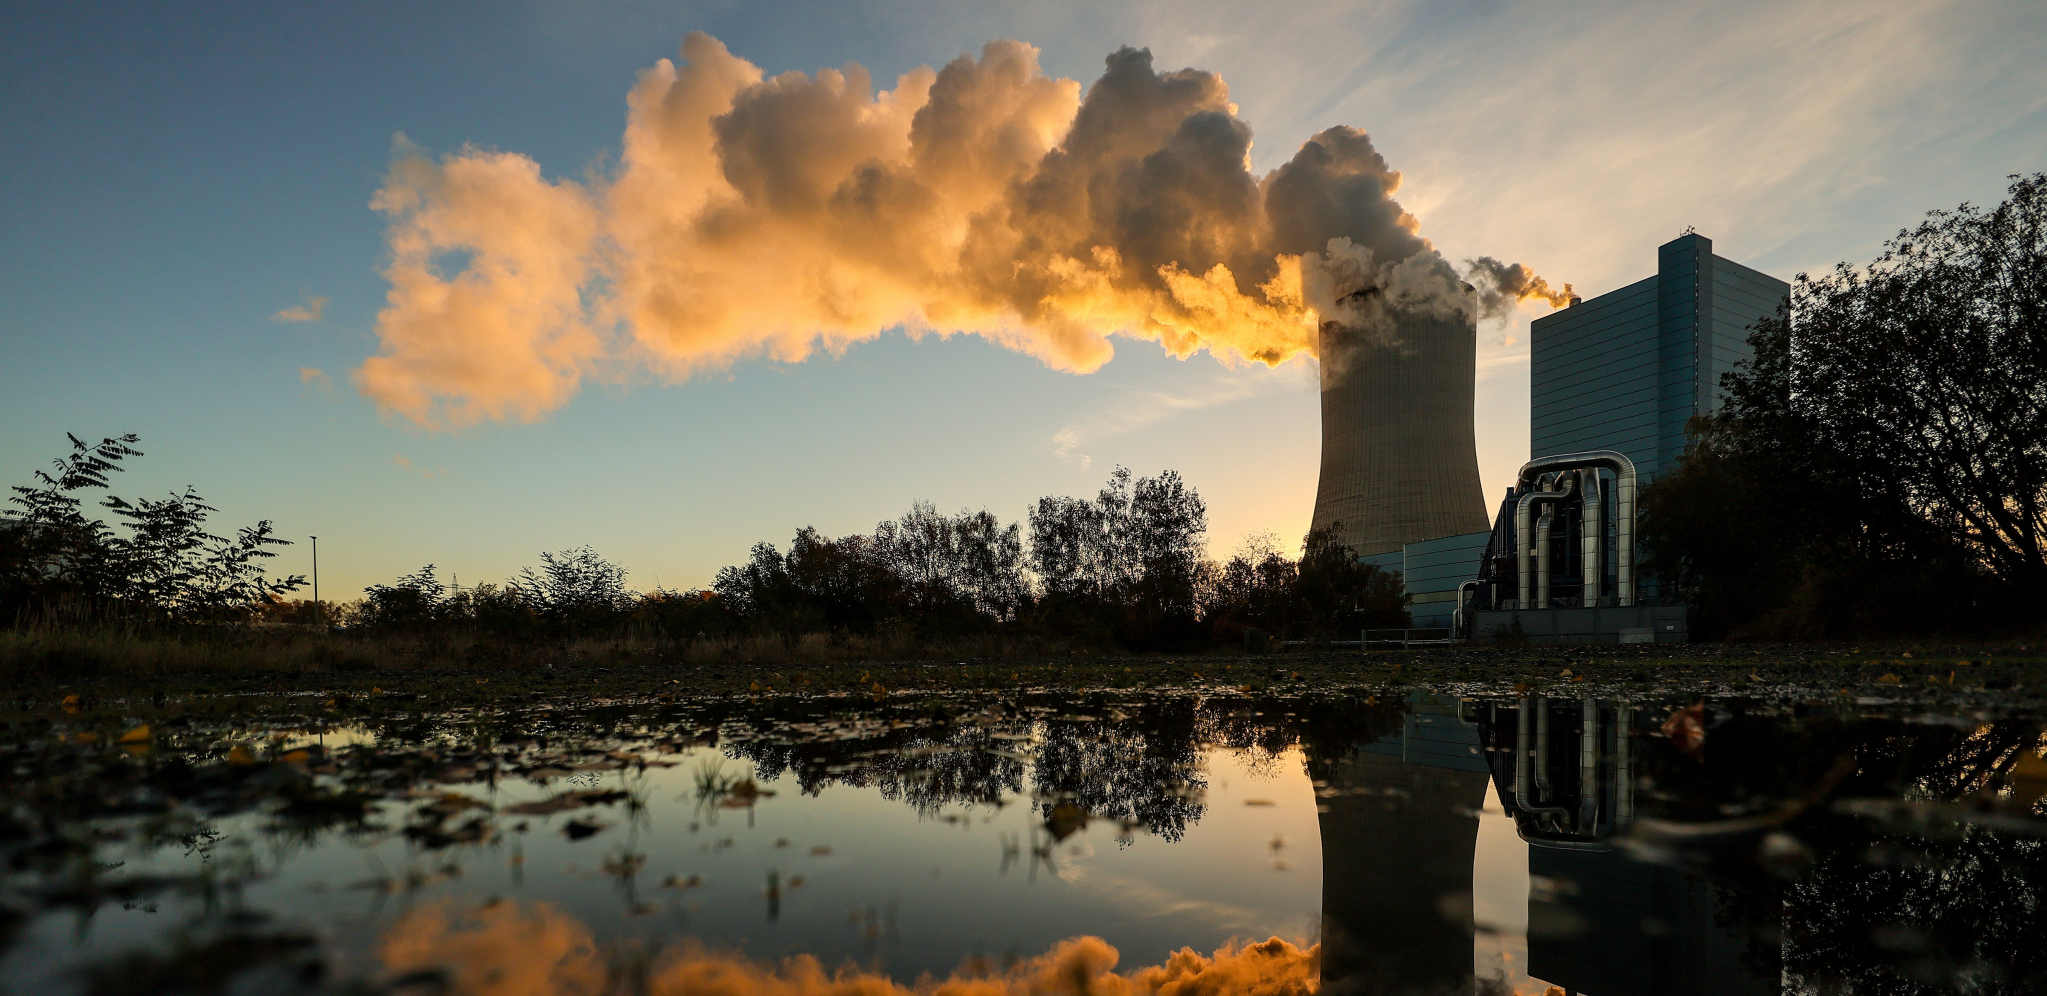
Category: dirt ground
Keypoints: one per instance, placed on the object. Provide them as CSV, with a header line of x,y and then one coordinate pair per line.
x,y
1951,677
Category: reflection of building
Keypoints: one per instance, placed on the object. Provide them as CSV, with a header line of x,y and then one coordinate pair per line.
x,y
1398,829
1599,921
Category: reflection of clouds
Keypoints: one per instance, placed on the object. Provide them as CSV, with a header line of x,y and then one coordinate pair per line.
x,y
1151,900
514,949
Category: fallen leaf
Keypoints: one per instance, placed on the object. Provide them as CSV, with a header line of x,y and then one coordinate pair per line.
x,y
138,735
579,829
1686,728
2028,779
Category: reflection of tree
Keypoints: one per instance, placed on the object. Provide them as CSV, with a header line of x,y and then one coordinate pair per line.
x,y
1142,768
927,768
1921,916
1845,902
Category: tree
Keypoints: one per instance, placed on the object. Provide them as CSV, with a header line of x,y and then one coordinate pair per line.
x,y
1130,559
1340,594
418,600
575,588
165,566
1882,462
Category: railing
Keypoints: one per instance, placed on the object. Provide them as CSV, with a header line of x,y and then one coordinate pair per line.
x,y
1403,638
1440,636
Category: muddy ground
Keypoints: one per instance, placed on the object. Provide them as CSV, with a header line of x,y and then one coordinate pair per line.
x,y
1951,677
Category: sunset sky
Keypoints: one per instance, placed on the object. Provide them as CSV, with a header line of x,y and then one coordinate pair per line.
x,y
191,252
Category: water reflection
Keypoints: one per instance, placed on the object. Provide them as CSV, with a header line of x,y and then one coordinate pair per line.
x,y
1675,847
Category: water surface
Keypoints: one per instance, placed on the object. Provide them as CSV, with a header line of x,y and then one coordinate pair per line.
x,y
1394,842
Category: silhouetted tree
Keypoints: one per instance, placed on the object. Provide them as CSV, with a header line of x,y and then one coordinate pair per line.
x,y
165,566
1339,594
1882,462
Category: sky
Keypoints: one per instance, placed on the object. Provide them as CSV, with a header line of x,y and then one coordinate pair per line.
x,y
191,253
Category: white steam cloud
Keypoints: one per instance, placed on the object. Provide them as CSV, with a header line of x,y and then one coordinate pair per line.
x,y
774,216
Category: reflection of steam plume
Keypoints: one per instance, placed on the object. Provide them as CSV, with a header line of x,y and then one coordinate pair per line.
x,y
1501,287
755,215
508,949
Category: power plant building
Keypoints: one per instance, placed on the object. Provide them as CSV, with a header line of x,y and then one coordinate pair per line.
x,y
1620,372
1625,370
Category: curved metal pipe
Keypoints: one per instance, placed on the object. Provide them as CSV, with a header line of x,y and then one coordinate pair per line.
x,y
1457,616
1542,525
1542,750
1624,505
1523,529
1523,759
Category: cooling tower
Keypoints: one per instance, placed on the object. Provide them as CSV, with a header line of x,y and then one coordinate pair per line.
x,y
1399,464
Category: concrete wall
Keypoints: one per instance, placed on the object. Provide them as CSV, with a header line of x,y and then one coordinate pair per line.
x,y
1600,624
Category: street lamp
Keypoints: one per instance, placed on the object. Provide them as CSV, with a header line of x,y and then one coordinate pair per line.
x,y
316,582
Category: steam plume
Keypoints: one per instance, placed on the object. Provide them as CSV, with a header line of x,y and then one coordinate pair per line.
x,y
773,216
1500,287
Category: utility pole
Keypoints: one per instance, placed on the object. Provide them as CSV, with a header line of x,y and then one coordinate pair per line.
x,y
316,582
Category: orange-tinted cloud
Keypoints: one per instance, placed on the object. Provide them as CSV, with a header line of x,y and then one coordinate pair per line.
x,y
307,312
774,216
515,949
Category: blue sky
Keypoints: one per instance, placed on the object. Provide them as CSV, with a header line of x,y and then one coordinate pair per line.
x,y
177,174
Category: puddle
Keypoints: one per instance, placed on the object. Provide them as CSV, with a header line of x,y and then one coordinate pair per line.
x,y
1109,843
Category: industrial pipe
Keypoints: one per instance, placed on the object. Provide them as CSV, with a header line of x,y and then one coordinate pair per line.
x,y
1458,615
1592,565
1623,768
1524,759
1523,529
1521,731
1624,506
1542,524
1588,766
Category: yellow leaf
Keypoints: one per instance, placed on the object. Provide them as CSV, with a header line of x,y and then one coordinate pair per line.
x,y
295,757
70,703
2028,779
1891,679
240,755
137,735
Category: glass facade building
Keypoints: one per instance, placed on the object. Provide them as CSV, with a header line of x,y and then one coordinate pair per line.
x,y
1625,370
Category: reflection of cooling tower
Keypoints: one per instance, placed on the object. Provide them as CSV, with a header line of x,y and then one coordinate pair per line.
x,y
1398,461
